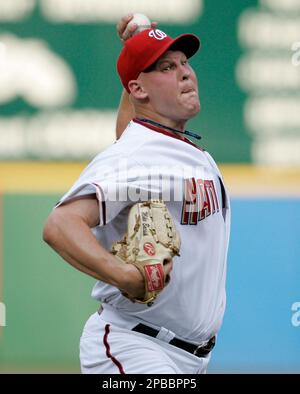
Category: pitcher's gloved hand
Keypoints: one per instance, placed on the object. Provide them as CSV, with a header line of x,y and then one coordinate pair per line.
x,y
150,242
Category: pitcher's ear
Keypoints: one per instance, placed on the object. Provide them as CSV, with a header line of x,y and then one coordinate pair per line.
x,y
137,90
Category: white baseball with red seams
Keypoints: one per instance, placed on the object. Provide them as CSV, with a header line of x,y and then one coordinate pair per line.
x,y
191,307
141,20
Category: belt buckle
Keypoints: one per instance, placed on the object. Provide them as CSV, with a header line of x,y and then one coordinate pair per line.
x,y
195,352
205,348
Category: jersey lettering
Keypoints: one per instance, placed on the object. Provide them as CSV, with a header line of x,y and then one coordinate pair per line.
x,y
200,201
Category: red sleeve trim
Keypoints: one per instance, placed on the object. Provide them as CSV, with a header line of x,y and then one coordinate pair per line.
x,y
102,205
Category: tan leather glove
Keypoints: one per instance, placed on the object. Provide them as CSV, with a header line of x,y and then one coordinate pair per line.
x,y
151,240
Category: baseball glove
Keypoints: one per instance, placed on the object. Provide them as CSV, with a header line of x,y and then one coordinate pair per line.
x,y
151,240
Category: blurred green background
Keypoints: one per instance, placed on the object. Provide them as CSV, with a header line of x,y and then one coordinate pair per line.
x,y
47,302
59,94
89,51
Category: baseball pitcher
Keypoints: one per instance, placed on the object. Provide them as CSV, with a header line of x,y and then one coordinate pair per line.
x,y
149,219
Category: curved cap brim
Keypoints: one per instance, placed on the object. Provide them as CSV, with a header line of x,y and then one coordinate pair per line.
x,y
189,44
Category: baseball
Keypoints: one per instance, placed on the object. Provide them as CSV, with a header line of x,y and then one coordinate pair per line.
x,y
141,20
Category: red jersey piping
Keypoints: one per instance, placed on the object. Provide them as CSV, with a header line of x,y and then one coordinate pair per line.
x,y
167,133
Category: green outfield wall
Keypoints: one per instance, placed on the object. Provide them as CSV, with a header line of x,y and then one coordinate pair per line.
x,y
60,91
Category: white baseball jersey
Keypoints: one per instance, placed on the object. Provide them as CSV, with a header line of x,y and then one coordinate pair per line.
x,y
149,162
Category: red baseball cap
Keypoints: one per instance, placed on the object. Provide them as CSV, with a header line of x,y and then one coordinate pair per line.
x,y
145,48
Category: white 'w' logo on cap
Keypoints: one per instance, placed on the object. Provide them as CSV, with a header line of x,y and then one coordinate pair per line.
x,y
158,34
